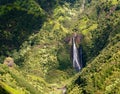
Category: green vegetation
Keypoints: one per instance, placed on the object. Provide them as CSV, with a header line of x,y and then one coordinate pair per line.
x,y
32,32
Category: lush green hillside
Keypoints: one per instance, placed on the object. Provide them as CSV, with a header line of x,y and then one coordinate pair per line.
x,y
33,33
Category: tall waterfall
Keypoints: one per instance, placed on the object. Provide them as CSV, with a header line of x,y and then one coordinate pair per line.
x,y
82,6
76,61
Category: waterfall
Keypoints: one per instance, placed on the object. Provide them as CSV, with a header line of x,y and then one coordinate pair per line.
x,y
76,62
82,6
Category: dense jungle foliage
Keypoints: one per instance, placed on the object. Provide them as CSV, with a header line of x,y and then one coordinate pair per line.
x,y
32,37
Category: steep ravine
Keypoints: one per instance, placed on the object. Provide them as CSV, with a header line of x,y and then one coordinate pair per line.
x,y
43,63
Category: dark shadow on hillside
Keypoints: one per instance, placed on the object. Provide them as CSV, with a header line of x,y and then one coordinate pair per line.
x,y
3,2
49,5
15,27
63,56
3,91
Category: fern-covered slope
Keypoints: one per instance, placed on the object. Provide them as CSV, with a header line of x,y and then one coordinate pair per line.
x,y
42,58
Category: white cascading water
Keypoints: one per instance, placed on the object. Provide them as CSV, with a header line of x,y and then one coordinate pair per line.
x,y
83,5
76,63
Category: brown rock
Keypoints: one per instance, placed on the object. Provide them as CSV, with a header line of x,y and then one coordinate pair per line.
x,y
9,62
